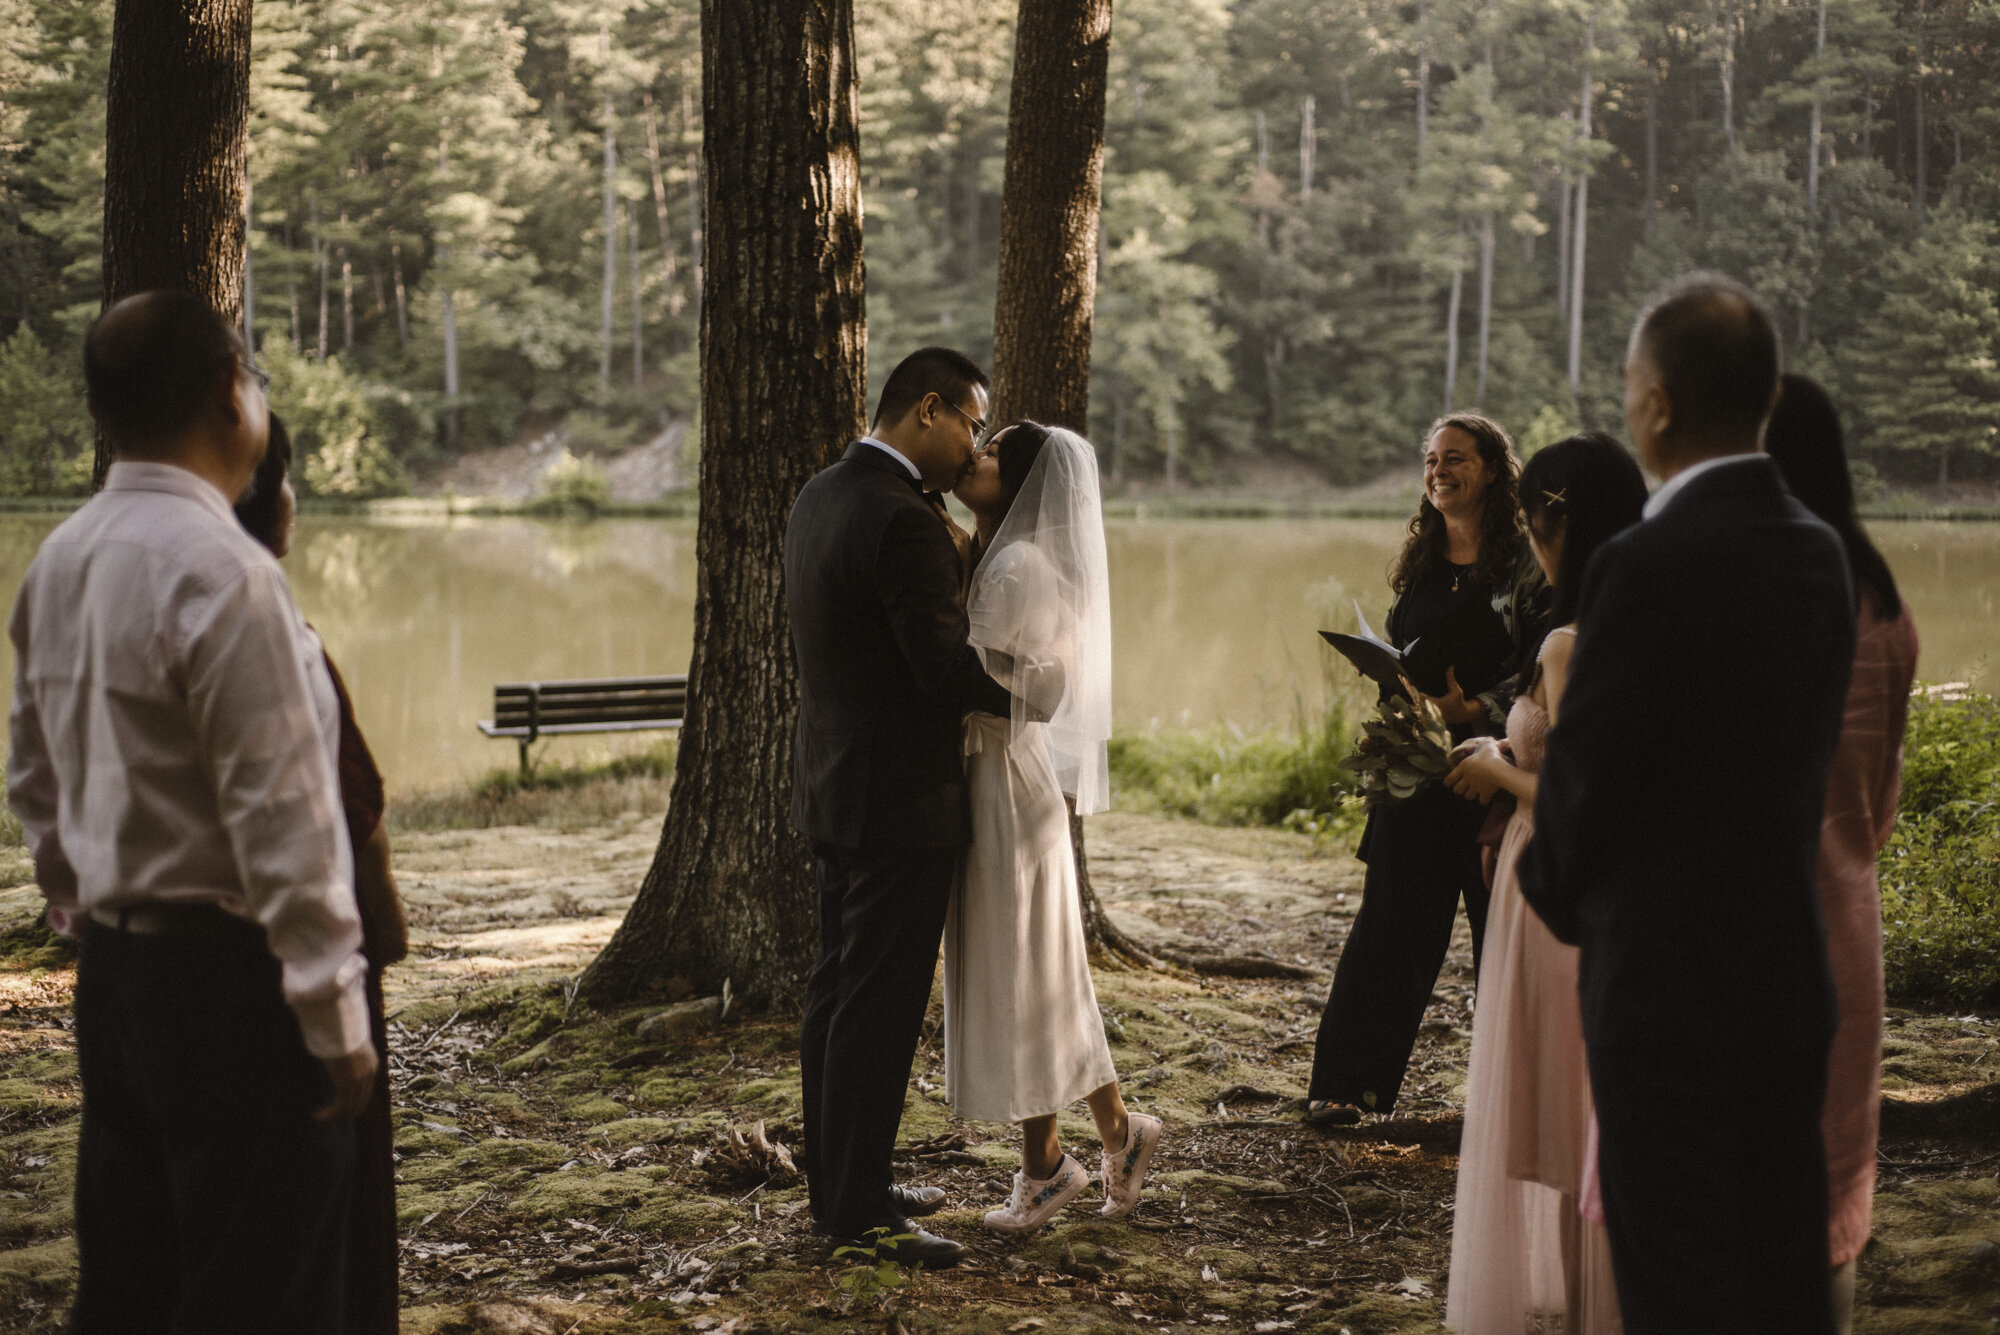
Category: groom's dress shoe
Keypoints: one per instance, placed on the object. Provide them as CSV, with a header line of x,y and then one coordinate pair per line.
x,y
907,1244
916,1201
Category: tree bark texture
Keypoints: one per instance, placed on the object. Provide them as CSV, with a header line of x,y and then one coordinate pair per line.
x,y
1048,213
1048,265
729,895
177,115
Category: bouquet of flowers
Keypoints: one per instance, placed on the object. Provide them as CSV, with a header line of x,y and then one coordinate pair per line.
x,y
1402,748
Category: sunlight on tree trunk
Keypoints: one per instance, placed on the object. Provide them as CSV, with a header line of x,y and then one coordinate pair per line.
x,y
729,897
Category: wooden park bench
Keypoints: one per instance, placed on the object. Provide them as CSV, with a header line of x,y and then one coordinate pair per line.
x,y
529,710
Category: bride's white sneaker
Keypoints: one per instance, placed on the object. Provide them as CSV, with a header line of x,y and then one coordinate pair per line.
x,y
1125,1171
1035,1201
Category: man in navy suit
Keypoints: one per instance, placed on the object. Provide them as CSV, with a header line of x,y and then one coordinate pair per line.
x,y
1677,838
886,677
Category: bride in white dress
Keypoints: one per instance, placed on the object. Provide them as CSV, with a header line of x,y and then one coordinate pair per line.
x,y
1023,1036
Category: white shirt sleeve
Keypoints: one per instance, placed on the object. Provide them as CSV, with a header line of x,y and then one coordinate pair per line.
x,y
32,792
278,797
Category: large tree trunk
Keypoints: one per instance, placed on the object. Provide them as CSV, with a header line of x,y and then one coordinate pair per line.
x,y
177,114
1048,213
729,896
1048,262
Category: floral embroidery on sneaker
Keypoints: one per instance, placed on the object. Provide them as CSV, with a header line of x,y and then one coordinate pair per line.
x,y
1036,1201
1125,1172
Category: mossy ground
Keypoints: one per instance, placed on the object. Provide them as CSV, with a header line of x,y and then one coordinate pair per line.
x,y
560,1177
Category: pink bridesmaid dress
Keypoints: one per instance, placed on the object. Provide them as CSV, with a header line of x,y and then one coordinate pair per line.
x,y
1861,793
1520,1251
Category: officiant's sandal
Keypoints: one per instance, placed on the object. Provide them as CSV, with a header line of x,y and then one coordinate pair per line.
x,y
1125,1172
1036,1200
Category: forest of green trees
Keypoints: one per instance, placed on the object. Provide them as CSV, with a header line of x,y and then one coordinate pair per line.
x,y
1324,220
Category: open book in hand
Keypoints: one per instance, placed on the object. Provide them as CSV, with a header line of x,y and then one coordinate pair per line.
x,y
1372,654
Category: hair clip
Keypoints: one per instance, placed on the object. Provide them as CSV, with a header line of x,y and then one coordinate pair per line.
x,y
1555,497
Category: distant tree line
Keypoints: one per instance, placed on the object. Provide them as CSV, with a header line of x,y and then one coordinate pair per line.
x,y
1323,220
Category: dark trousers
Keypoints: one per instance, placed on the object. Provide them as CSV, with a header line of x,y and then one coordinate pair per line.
x,y
373,1302
881,922
1714,1182
1423,857
208,1201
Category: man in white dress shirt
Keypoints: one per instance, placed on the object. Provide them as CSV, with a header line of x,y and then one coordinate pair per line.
x,y
172,763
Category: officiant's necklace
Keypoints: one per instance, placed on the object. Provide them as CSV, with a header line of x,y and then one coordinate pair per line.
x,y
1458,573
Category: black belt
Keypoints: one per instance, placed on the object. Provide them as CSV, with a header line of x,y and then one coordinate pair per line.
x,y
159,919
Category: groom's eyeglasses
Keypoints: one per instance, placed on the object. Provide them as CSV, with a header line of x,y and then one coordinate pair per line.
x,y
978,423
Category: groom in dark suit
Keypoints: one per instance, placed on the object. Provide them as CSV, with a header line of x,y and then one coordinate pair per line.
x,y
1677,837
872,580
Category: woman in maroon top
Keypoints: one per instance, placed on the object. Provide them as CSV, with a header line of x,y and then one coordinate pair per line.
x,y
372,1301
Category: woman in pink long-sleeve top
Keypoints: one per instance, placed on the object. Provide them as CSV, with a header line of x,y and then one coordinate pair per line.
x,y
1804,438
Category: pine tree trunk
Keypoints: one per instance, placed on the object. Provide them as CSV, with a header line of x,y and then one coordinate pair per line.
x,y
610,246
1453,303
1048,262
402,302
320,259
1579,234
1813,129
249,274
1653,147
1486,243
729,896
638,304
177,115
1564,216
1922,136
660,207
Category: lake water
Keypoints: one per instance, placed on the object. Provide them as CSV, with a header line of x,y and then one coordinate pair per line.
x,y
1214,620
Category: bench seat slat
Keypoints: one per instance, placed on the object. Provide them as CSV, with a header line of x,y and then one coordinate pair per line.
x,y
493,729
591,686
547,717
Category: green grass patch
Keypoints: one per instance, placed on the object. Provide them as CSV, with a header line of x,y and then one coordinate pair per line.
x,y
1225,776
1941,870
553,796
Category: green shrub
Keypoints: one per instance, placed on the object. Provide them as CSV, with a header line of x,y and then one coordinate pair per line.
x,y
572,485
336,448
1941,870
45,432
1224,776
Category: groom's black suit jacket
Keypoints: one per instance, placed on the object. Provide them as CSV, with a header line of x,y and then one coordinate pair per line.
x,y
886,676
1677,822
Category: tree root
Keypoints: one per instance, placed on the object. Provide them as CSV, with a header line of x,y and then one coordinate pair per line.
x,y
1238,966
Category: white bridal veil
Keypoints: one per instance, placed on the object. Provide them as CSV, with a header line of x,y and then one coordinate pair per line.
x,y
1040,607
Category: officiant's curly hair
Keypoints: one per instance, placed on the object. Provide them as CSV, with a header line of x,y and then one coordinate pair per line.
x,y
1502,542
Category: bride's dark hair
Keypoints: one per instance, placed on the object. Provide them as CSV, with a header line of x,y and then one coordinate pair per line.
x,y
1019,446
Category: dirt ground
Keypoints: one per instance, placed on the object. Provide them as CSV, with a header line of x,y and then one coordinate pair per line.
x,y
561,1175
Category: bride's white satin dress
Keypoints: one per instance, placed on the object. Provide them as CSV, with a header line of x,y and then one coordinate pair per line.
x,y
1023,1035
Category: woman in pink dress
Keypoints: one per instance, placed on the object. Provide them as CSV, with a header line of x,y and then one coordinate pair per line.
x,y
1521,1253
1804,439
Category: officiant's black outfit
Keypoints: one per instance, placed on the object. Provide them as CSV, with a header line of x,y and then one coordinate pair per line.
x,y
1677,832
1423,852
886,678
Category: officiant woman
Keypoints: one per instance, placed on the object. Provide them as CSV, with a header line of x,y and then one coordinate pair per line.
x,y
1470,598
